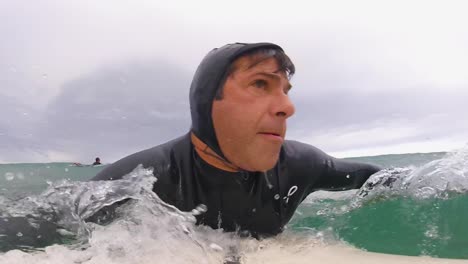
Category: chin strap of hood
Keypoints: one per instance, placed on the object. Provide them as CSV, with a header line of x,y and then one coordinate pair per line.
x,y
208,78
208,155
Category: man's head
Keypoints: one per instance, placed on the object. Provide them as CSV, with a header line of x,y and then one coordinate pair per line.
x,y
239,103
250,111
98,160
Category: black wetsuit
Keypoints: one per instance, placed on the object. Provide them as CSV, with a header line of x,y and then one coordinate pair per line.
x,y
260,203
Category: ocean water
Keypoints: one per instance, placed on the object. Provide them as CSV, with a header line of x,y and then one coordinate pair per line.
x,y
417,206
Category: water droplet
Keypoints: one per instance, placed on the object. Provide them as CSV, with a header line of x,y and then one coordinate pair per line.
x,y
216,247
64,232
199,209
19,234
277,196
254,210
185,229
202,207
195,212
321,212
347,176
9,176
432,232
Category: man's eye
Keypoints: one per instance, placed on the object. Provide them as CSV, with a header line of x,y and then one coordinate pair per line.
x,y
260,83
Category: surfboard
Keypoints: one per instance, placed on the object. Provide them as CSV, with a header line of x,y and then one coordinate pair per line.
x,y
335,254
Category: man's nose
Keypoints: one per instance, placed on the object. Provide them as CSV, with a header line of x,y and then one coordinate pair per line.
x,y
282,106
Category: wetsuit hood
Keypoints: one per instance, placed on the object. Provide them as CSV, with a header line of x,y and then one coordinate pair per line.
x,y
208,78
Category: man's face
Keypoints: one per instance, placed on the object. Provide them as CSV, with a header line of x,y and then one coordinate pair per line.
x,y
250,120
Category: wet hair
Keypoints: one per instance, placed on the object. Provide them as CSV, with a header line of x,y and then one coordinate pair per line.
x,y
259,55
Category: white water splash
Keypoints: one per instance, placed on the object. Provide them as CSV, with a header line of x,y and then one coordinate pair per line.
x,y
439,178
146,229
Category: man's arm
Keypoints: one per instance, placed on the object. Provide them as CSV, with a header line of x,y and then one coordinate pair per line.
x,y
324,172
339,174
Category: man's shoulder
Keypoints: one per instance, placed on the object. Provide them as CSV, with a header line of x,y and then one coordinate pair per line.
x,y
303,157
154,157
299,156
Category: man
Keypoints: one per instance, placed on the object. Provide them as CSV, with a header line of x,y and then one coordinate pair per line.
x,y
97,161
235,160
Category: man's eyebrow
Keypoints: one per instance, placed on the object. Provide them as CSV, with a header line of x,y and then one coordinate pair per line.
x,y
272,76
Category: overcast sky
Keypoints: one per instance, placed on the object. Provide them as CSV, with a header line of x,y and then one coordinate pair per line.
x,y
80,79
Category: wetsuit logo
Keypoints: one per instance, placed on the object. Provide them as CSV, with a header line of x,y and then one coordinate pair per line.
x,y
291,191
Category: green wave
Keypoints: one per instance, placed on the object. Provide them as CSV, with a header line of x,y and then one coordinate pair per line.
x,y
400,225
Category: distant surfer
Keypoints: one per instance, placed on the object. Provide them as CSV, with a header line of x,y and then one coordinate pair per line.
x,y
97,161
235,159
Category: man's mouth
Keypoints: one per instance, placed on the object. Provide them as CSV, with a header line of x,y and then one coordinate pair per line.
x,y
272,135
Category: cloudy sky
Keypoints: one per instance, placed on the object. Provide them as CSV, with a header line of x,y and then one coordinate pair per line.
x,y
87,78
